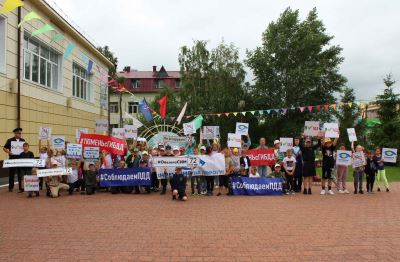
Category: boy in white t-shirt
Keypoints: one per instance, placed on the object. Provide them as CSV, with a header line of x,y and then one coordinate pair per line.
x,y
254,172
289,165
73,180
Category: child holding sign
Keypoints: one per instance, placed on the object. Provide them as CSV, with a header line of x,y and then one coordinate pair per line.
x,y
358,172
30,193
342,171
328,163
380,166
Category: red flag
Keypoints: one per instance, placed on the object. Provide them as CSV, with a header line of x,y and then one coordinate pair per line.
x,y
163,107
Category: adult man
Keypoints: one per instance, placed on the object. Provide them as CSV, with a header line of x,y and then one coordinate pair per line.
x,y
14,155
262,170
132,161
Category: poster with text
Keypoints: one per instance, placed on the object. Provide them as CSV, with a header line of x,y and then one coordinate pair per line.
x,y
311,128
74,150
389,155
331,130
45,133
131,131
285,144
210,132
17,147
352,134
31,183
189,128
91,152
234,140
118,133
242,129
58,142
344,158
101,125
80,131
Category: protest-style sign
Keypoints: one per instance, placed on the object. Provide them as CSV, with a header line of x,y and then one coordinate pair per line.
x,y
54,172
189,128
209,165
141,139
242,129
257,186
180,161
17,147
210,132
130,132
125,177
101,125
352,134
31,183
24,162
45,133
167,172
234,140
118,133
343,158
58,142
311,128
80,131
74,150
175,139
331,130
261,157
358,159
109,144
389,155
285,144
91,152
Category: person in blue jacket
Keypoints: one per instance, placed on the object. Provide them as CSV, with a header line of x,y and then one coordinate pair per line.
x,y
178,184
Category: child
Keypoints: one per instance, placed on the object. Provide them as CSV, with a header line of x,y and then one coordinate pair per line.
x,y
30,193
73,180
254,172
91,179
224,179
328,163
25,171
298,173
358,172
342,171
54,182
380,166
289,165
178,185
370,172
279,174
308,163
43,155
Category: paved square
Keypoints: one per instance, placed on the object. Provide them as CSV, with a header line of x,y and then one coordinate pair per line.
x,y
109,227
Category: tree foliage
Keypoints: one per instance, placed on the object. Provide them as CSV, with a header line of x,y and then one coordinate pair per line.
x,y
348,116
110,56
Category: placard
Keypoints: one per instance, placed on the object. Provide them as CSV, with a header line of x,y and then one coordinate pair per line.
x,y
210,132
109,144
58,142
389,155
170,161
351,132
242,129
208,165
130,131
31,183
54,172
80,131
91,152
24,162
175,139
101,125
234,140
74,150
358,159
118,133
189,128
257,186
125,177
262,157
17,147
311,128
45,133
331,130
343,158
285,144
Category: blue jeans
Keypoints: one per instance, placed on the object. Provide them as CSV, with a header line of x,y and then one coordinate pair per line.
x,y
263,171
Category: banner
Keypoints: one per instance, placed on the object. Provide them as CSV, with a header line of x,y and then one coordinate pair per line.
x,y
130,131
17,147
101,125
189,128
208,165
175,139
242,129
285,144
45,133
331,130
358,159
351,132
80,131
54,172
24,162
234,140
74,150
210,132
311,128
261,157
257,186
389,155
125,177
58,142
106,143
91,153
118,133
166,172
31,183
181,161
343,158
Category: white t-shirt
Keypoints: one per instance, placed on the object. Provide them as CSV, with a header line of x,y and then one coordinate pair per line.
x,y
289,163
246,165
44,156
254,175
73,177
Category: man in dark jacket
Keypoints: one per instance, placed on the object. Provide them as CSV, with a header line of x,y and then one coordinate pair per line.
x,y
8,150
178,183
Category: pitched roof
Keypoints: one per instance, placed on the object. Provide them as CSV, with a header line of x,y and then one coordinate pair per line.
x,y
148,74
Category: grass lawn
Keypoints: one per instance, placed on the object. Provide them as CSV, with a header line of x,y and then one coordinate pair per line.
x,y
392,173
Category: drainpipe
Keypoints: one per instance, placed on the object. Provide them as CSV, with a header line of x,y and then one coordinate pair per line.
x,y
19,71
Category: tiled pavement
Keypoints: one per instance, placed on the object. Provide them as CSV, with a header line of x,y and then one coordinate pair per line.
x,y
109,227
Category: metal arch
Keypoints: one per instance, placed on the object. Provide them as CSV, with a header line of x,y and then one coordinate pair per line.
x,y
151,131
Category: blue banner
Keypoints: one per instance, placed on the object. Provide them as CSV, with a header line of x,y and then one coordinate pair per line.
x,y
257,186
125,177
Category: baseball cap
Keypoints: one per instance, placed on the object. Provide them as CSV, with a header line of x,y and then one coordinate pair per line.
x,y
145,153
276,142
175,148
235,150
277,165
203,148
327,140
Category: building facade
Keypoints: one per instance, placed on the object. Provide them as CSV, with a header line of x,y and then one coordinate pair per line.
x,y
142,84
38,86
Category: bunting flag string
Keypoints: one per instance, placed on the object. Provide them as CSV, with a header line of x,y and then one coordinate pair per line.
x,y
45,28
30,16
10,5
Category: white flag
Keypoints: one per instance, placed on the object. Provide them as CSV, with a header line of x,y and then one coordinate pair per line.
x,y
181,114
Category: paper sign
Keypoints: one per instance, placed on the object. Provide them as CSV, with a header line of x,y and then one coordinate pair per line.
x,y
80,131
234,140
45,133
331,130
242,129
389,155
343,158
101,126
106,143
189,128
58,142
118,133
352,134
24,162
54,172
285,144
130,131
175,139
358,159
311,128
74,150
91,153
31,183
210,132
170,161
17,147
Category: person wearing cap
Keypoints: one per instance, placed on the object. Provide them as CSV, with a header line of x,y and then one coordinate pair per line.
x,y
164,181
278,154
144,162
309,171
176,151
54,182
236,161
178,185
245,161
278,173
328,163
262,170
7,149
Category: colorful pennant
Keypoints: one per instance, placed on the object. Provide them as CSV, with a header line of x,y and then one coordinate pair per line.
x,y
10,5
28,17
45,28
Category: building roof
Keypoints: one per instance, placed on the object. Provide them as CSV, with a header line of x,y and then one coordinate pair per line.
x,y
148,74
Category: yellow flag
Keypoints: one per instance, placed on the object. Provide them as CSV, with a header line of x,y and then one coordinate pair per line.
x,y
30,16
350,104
10,5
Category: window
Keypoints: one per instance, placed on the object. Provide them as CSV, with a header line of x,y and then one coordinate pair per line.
x,y
2,44
178,83
113,107
135,83
159,84
81,87
133,107
41,64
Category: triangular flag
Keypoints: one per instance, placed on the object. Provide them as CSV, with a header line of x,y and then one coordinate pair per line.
x,y
284,111
10,5
68,50
326,107
350,104
253,112
268,111
277,111
333,106
28,17
57,38
218,115
198,122
90,66
301,109
43,29
261,112
244,113
310,108
181,114
227,114
235,114
84,58
318,108
163,106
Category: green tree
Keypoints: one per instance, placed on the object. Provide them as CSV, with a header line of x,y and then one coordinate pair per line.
x,y
348,116
386,134
296,65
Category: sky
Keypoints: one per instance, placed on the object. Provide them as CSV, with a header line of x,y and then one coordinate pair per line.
x,y
144,33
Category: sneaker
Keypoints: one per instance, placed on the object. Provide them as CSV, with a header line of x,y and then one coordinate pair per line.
x,y
323,192
379,190
287,193
346,191
305,191
309,191
292,192
361,192
204,193
387,189
341,191
330,192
